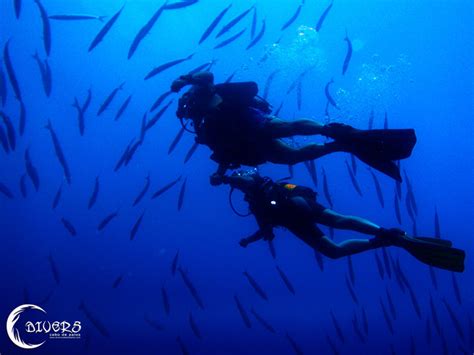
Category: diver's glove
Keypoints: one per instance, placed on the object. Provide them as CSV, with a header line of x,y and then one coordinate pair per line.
x,y
268,235
244,242
179,83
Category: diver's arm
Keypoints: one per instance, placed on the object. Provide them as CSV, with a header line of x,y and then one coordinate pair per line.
x,y
266,234
200,78
243,183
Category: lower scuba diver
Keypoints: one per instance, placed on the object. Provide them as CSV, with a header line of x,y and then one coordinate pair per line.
x,y
282,204
237,125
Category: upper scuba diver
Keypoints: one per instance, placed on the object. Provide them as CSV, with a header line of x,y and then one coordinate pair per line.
x,y
281,204
233,121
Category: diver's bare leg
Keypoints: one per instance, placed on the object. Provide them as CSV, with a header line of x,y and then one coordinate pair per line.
x,y
282,153
333,219
348,247
278,128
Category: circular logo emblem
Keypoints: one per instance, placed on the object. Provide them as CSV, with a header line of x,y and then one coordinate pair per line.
x,y
13,332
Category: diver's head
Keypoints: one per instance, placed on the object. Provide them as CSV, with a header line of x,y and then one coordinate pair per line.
x,y
197,101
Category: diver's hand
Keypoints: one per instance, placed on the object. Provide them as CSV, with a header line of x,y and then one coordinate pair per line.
x,y
244,242
216,179
269,236
178,84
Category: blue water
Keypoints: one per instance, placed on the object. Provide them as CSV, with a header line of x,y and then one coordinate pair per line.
x,y
412,60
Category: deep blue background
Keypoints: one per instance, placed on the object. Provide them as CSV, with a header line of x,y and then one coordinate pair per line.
x,y
411,59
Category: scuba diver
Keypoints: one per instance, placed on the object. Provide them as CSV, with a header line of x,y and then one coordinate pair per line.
x,y
281,204
236,124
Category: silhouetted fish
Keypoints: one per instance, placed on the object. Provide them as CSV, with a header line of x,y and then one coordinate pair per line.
x,y
299,95
54,269
94,194
174,264
31,170
457,293
242,312
190,152
292,18
165,66
166,188
268,83
436,225
271,247
22,119
45,72
4,140
46,28
262,321
94,320
233,22
11,135
253,28
68,225
59,152
184,349
378,189
105,29
17,6
23,190
409,208
348,57
143,191
176,139
323,17
454,319
135,227
203,67
109,99
412,346
328,94
145,30
3,87
391,305
387,317
294,345
386,262
179,4
337,327
410,193
326,189
159,100
57,197
166,300
194,326
6,191
230,39
434,281
181,194
80,116
379,264
76,17
396,206
158,115
353,179
285,279
319,260
106,221
87,102
355,325
124,156
414,301
214,24
191,288
365,322
351,291
311,166
353,164
255,286
11,71
258,37
332,345
117,281
350,268
122,108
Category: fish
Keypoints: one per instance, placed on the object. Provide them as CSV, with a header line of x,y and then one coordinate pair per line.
x,y
262,321
135,227
353,164
434,281
122,108
214,24
357,329
94,194
258,37
48,79
454,319
255,286
143,191
378,189
54,269
131,152
277,112
117,281
409,207
311,167
87,102
194,326
10,130
410,193
242,312
17,6
94,320
386,262
4,140
159,100
105,29
59,152
471,332
327,195
391,305
437,232
353,179
176,139
299,94
371,119
68,225
332,345
106,221
351,291
292,18
44,74
348,57
412,346
323,17
143,128
57,197
319,260
230,39
386,317
46,28
23,190
158,115
109,99
75,17
365,322
3,87
183,347
203,67
31,170
181,194
328,94
166,300
268,83
174,264
294,345
294,84
397,274
190,152
385,121
337,327
22,119
233,22
191,288
180,4
379,265
396,206
271,247
350,267
124,156
254,23
80,116
166,187
402,276
167,65
285,279
6,191
414,301
10,71
145,30
457,292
